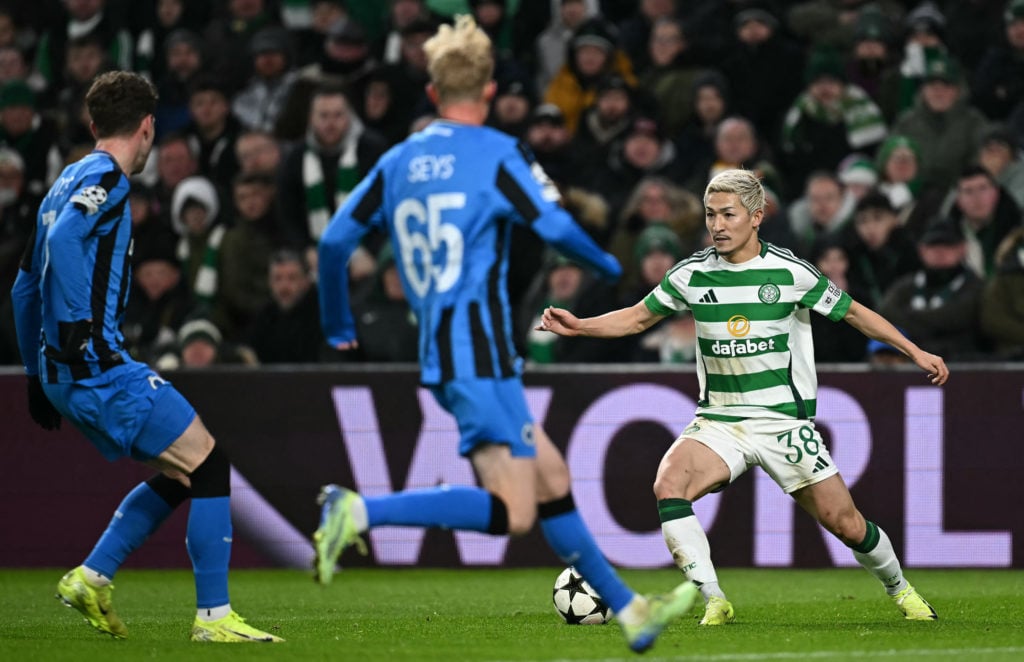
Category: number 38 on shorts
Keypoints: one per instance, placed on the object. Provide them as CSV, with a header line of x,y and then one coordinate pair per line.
x,y
791,452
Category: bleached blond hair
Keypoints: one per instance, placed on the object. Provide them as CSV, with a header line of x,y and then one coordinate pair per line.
x,y
460,60
743,183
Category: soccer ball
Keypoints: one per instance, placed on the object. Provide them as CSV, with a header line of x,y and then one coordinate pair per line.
x,y
577,602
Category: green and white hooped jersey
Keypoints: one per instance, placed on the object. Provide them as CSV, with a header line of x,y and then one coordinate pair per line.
x,y
755,354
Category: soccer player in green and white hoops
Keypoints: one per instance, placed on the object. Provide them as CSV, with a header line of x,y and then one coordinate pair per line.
x,y
758,388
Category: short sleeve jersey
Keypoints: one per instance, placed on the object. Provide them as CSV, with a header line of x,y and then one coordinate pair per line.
x,y
755,353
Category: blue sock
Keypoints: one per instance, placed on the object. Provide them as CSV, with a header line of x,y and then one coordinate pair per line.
x,y
209,545
449,507
571,540
139,515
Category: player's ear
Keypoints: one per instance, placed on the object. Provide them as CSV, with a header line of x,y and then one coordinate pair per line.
x,y
490,89
432,94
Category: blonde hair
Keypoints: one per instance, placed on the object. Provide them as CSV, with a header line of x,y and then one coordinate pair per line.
x,y
460,60
743,183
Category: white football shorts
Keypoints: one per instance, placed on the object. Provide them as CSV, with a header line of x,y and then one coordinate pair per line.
x,y
790,451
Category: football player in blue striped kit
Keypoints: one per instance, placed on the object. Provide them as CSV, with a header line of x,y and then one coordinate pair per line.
x,y
447,197
69,299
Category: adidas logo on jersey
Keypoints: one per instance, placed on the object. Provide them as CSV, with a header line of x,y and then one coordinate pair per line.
x,y
820,464
709,297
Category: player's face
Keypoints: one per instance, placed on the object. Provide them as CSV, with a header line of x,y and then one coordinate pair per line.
x,y
145,145
731,227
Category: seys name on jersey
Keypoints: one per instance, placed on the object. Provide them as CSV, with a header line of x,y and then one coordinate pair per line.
x,y
742,347
431,166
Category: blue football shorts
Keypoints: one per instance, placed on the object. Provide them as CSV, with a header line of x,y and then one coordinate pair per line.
x,y
128,411
489,411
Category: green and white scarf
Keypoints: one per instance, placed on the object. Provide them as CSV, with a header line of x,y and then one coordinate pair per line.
x,y
205,286
318,214
862,117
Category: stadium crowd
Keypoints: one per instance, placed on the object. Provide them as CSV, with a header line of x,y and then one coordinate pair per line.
x,y
888,135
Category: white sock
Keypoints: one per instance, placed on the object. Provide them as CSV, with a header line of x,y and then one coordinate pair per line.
x,y
881,562
359,516
213,613
691,552
94,578
634,612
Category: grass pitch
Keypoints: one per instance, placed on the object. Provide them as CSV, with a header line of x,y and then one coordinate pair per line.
x,y
506,615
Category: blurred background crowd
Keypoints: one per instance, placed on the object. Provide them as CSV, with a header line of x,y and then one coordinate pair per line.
x,y
888,135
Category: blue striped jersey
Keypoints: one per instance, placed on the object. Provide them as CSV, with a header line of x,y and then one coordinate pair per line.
x,y
447,197
77,267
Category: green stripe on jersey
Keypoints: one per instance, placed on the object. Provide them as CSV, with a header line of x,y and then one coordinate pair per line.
x,y
788,409
753,381
841,308
755,312
814,294
743,347
740,278
656,306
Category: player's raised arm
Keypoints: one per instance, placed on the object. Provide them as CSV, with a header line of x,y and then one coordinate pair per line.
x,y
617,323
877,327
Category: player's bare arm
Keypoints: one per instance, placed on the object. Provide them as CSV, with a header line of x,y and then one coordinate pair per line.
x,y
618,323
877,327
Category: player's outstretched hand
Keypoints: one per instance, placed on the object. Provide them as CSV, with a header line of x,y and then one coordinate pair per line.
x,y
560,321
345,346
934,366
40,408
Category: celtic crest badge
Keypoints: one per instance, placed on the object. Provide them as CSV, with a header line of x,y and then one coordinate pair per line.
x,y
768,293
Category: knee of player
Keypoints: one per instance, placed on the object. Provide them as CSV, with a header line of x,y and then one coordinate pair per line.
x,y
669,487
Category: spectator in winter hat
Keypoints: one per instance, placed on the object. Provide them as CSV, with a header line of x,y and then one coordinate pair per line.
x,y
857,174
1000,154
258,105
938,304
512,104
593,55
998,81
31,134
829,119
606,121
879,248
946,128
